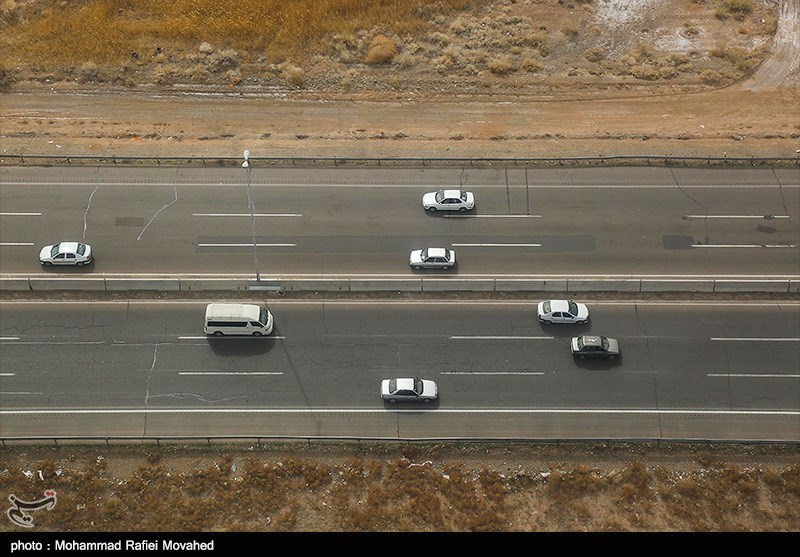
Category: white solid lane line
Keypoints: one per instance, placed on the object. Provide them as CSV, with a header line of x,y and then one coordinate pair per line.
x,y
758,339
765,217
230,373
20,214
245,245
770,375
16,243
744,245
498,338
246,215
500,245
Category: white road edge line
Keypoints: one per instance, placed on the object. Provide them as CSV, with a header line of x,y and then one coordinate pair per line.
x,y
759,339
229,372
16,243
246,215
492,373
20,214
766,217
500,245
245,245
457,337
792,376
744,245
384,411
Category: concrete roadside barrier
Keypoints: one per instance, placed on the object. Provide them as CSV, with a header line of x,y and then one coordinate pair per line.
x,y
794,286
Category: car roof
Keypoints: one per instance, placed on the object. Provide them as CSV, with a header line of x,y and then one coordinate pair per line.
x,y
452,193
559,305
593,340
405,383
70,247
437,252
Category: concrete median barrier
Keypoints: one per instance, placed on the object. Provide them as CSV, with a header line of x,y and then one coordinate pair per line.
x,y
316,285
213,284
677,286
794,286
751,286
603,285
47,284
523,285
16,284
165,285
399,285
457,285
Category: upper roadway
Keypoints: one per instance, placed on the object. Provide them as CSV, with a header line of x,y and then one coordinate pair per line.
x,y
190,221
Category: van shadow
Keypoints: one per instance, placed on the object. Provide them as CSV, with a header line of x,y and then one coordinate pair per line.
x,y
241,346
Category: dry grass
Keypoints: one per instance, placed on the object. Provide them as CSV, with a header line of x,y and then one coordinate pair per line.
x,y
364,46
107,31
410,489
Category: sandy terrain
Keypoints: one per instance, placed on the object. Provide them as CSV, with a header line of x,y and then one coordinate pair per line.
x,y
555,112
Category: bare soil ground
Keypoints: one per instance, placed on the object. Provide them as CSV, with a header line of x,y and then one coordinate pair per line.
x,y
529,78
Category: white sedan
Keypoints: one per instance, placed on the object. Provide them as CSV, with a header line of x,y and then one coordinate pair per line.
x,y
448,200
409,388
562,311
66,253
432,258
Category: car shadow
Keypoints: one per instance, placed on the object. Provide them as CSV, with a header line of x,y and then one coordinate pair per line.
x,y
408,405
241,346
598,364
451,271
566,330
74,269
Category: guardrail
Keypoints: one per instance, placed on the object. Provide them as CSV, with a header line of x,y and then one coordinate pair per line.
x,y
620,160
265,439
411,284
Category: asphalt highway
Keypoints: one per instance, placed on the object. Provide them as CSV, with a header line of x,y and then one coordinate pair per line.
x,y
689,370
278,222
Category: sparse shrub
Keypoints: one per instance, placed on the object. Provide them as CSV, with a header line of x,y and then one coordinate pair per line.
x,y
713,77
737,8
594,54
294,75
531,65
439,38
502,66
6,78
89,72
219,61
205,49
569,30
645,71
382,50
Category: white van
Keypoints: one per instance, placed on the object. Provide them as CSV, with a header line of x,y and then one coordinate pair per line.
x,y
237,319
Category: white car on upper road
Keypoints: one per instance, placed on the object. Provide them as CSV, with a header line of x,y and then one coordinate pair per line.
x,y
409,388
66,253
562,311
448,200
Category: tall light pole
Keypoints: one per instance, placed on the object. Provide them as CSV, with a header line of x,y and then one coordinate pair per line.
x,y
246,166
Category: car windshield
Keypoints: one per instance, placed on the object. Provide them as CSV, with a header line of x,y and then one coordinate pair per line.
x,y
81,249
262,315
546,307
418,385
439,196
54,250
604,342
573,308
424,254
392,385
463,196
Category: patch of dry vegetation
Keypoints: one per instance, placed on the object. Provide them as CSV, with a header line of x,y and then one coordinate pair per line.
x,y
468,46
411,488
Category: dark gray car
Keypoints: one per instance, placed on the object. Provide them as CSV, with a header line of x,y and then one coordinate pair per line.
x,y
594,346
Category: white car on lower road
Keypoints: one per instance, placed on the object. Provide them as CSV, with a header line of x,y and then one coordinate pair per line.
x,y
66,253
409,388
448,200
562,311
432,258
